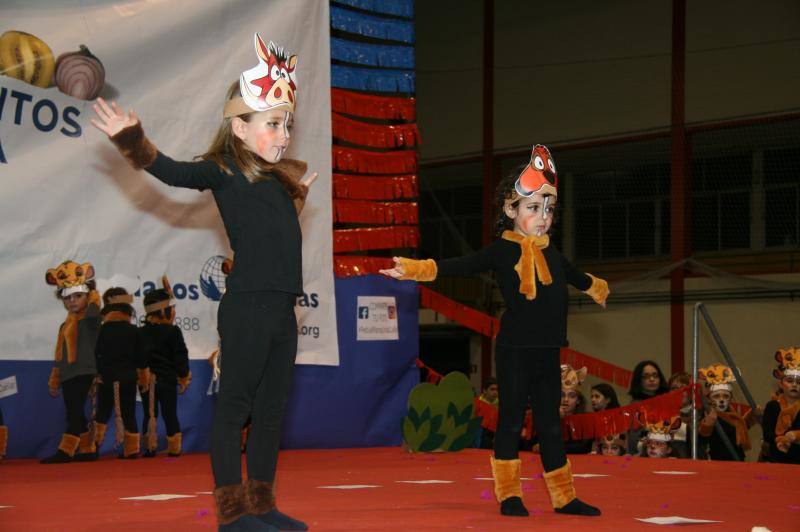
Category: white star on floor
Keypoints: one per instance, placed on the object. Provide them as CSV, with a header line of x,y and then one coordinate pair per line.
x,y
587,475
674,520
675,472
1,507
350,487
159,497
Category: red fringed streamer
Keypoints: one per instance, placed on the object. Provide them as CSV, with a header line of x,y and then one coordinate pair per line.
x,y
353,265
617,420
375,188
370,162
369,106
364,238
433,376
607,422
596,367
461,314
374,135
374,212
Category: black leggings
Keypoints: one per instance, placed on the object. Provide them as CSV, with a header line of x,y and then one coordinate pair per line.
x,y
75,391
258,331
529,373
166,398
127,403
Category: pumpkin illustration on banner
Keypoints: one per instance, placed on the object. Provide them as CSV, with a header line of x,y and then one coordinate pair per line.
x,y
440,417
28,58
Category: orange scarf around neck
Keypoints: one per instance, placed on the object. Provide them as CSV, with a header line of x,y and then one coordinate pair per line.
x,y
787,415
532,263
68,333
738,422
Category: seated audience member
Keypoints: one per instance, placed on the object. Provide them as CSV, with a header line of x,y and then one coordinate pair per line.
x,y
612,445
647,381
719,381
781,422
603,397
489,396
573,402
658,439
681,439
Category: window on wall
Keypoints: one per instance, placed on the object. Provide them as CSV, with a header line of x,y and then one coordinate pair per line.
x,y
619,214
721,193
782,198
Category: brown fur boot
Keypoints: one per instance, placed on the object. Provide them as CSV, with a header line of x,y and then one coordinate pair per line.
x,y
508,487
87,450
562,493
232,511
261,503
99,434
66,450
174,444
131,445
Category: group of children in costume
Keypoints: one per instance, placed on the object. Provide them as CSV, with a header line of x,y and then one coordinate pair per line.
x,y
101,353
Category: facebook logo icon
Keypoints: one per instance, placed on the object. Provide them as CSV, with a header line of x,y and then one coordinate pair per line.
x,y
363,313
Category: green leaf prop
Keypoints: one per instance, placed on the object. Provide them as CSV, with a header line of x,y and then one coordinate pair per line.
x,y
446,422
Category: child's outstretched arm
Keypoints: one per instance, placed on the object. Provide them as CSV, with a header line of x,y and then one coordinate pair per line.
x,y
587,283
412,270
126,133
427,270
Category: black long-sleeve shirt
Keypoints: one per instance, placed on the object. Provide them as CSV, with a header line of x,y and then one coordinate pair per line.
x,y
165,351
259,218
540,322
119,352
768,422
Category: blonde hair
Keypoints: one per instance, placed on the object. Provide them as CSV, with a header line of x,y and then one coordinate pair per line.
x,y
226,144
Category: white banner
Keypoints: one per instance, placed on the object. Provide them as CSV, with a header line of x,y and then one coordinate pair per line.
x,y
67,194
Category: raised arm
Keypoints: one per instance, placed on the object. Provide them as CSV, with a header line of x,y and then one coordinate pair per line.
x,y
126,133
587,283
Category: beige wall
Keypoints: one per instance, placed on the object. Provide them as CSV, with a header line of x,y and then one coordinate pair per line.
x,y
581,69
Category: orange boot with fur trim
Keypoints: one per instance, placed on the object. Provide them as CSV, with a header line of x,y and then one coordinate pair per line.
x,y
508,486
87,450
562,493
66,450
174,444
131,445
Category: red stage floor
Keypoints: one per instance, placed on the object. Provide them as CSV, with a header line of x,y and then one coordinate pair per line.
x,y
90,496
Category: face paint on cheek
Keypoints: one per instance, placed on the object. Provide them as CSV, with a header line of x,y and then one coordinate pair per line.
x,y
262,141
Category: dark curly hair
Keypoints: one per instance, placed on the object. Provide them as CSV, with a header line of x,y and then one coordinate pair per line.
x,y
119,307
505,190
154,296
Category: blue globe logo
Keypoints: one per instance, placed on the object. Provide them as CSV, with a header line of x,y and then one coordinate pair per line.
x,y
212,280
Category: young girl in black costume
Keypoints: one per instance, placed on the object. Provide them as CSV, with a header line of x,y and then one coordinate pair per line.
x,y
166,356
259,195
533,278
120,361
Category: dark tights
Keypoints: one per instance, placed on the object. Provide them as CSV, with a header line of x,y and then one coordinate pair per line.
x,y
75,391
258,331
166,395
523,374
127,403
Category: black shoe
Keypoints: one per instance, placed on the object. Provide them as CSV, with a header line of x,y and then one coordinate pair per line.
x,y
247,523
87,457
513,506
59,458
578,507
149,454
281,521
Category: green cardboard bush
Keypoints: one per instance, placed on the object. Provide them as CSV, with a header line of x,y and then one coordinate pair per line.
x,y
440,417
